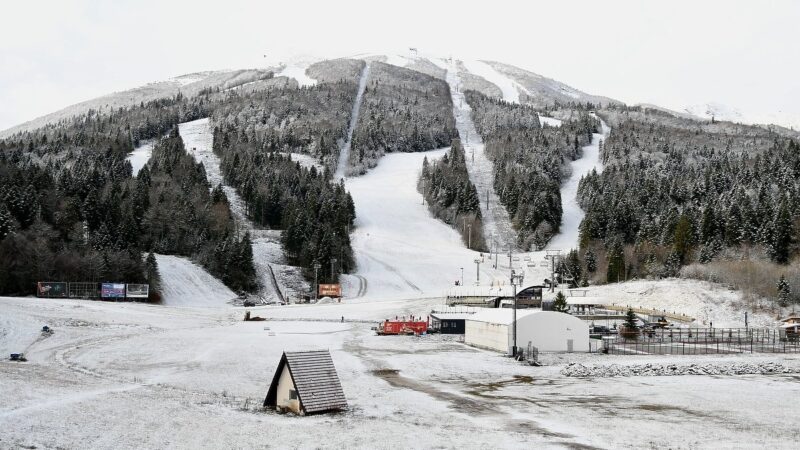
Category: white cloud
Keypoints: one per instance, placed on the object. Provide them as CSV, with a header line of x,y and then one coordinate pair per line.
x,y
675,53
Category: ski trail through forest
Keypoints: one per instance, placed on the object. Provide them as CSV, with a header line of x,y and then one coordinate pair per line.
x,y
497,229
344,152
198,138
572,215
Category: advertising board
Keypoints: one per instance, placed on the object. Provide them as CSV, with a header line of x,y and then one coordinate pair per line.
x,y
112,290
330,290
51,289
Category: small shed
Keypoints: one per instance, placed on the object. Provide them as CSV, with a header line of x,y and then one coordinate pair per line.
x,y
547,330
306,383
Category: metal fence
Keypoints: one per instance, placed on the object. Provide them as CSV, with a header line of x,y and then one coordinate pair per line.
x,y
703,341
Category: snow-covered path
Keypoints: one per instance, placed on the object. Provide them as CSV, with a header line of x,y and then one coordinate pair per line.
x,y
572,213
344,152
140,155
496,223
198,138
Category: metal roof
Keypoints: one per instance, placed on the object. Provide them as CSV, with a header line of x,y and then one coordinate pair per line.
x,y
315,380
501,316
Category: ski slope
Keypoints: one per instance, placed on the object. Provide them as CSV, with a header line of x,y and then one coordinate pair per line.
x,y
572,215
198,138
184,283
140,155
298,73
496,222
509,87
401,249
344,152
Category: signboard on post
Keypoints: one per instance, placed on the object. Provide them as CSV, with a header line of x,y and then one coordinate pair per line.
x,y
51,289
112,290
138,290
330,290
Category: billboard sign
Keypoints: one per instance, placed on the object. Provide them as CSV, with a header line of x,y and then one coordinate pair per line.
x,y
112,290
138,290
51,289
330,290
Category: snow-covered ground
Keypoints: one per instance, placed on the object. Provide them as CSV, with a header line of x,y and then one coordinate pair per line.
x,y
184,283
306,161
551,121
140,155
298,73
344,152
121,375
509,87
572,214
400,248
496,222
706,302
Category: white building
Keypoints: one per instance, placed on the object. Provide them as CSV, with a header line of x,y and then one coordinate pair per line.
x,y
547,330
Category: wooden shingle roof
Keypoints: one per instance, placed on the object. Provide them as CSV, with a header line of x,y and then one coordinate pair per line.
x,y
315,379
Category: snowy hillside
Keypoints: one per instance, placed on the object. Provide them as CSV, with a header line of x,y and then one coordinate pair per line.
x,y
184,283
728,113
189,84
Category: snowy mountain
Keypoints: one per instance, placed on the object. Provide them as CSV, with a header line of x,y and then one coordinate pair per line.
x,y
725,112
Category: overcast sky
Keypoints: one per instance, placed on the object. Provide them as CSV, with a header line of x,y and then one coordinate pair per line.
x,y
673,53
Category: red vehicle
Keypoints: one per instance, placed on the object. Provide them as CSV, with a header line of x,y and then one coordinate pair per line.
x,y
414,325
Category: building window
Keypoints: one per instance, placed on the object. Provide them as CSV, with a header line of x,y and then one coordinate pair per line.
x,y
292,394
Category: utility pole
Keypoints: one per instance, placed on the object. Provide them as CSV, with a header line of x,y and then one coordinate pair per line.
x,y
469,239
317,266
462,276
423,191
333,261
509,258
478,271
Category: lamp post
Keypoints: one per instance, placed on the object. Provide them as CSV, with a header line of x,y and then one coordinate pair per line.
x,y
478,271
317,266
516,278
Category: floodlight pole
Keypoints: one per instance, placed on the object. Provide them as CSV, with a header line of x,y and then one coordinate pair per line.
x,y
317,266
516,278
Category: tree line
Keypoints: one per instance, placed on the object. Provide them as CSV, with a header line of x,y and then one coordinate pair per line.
x,y
676,192
451,196
402,110
530,161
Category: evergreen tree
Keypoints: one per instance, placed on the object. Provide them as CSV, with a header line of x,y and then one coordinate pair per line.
x,y
784,292
6,223
151,272
631,321
782,235
591,261
616,264
683,237
560,303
